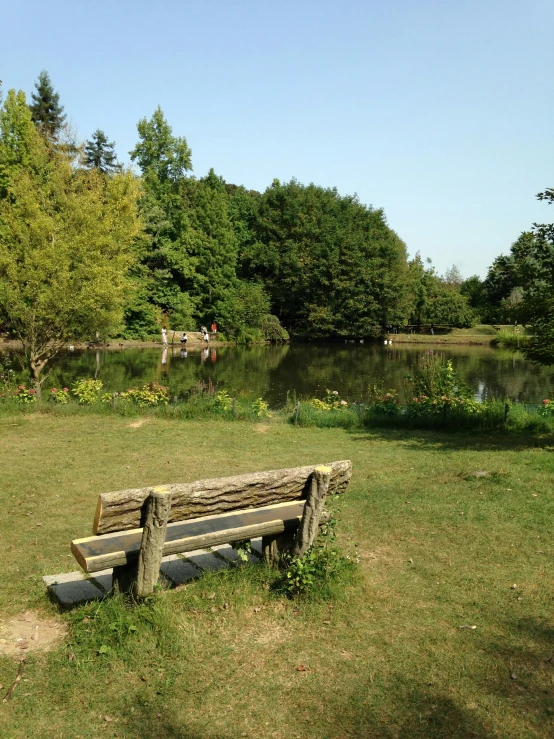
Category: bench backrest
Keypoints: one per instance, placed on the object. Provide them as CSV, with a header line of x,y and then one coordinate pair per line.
x,y
123,509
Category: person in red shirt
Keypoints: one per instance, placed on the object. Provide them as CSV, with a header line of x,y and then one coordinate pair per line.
x,y
214,328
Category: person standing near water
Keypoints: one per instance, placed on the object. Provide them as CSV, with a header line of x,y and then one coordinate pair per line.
x,y
164,337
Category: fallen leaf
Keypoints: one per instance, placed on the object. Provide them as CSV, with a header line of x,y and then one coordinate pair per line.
x,y
71,656
513,676
472,628
326,622
225,606
301,668
107,719
257,610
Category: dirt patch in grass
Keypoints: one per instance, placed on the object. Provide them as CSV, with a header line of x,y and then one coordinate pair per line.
x,y
137,424
27,633
261,428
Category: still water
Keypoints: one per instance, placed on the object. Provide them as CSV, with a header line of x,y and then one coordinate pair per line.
x,y
307,369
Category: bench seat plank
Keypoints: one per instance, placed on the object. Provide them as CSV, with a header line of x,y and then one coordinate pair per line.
x,y
122,510
96,553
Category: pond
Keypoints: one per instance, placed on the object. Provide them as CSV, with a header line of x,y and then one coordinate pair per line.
x,y
308,369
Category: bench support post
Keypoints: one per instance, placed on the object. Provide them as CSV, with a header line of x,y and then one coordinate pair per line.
x,y
158,508
125,577
307,531
274,546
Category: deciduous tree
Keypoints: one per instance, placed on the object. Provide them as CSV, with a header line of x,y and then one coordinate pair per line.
x,y
65,238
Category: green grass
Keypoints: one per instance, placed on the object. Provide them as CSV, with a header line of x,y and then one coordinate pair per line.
x,y
480,334
439,548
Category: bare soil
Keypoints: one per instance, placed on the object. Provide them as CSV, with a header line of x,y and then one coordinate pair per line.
x,y
28,632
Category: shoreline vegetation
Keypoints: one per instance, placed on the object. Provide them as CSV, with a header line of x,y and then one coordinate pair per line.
x,y
505,336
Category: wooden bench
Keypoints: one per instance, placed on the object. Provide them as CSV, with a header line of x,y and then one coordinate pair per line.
x,y
133,529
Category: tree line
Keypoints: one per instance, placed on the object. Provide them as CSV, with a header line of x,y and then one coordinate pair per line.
x,y
91,248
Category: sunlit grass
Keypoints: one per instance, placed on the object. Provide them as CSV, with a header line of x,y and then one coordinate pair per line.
x,y
440,549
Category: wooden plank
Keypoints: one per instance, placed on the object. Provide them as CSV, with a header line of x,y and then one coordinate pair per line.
x,y
96,553
123,510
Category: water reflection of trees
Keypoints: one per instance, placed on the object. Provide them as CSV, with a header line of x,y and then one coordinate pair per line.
x,y
308,369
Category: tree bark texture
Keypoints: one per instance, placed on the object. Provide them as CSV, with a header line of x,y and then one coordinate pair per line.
x,y
158,507
124,509
309,525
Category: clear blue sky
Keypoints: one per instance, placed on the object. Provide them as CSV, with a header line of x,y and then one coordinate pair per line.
x,y
440,112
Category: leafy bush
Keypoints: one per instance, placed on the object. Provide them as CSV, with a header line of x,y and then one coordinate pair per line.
x,y
383,403
24,395
61,397
331,402
148,395
223,401
437,390
546,410
271,328
323,565
87,391
261,408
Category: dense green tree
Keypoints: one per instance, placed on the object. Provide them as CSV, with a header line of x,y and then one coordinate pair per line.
x,y
437,300
165,267
474,291
65,239
331,266
534,268
161,156
99,153
46,111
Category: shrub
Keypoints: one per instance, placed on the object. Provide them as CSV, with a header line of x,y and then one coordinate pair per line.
x,y
61,397
383,403
546,410
261,408
331,402
223,401
87,391
151,394
24,395
272,330
323,565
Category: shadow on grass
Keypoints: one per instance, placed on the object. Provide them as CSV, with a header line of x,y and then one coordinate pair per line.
x,y
426,715
452,440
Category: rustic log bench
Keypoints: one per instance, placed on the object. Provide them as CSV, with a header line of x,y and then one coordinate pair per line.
x,y
133,529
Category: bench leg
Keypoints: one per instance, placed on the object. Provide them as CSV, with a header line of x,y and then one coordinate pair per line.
x,y
275,546
125,578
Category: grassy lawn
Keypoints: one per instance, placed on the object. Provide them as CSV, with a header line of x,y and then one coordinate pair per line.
x,y
480,334
440,549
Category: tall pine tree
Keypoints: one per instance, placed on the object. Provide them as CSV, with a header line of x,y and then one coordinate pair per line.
x,y
100,154
46,111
